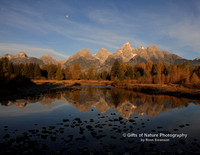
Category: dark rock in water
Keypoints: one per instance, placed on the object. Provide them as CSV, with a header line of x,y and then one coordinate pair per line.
x,y
153,130
44,136
195,139
21,137
159,127
100,136
113,137
120,118
53,137
131,141
70,136
6,136
77,119
93,133
59,123
182,141
51,127
172,145
194,143
91,120
81,129
113,113
179,152
118,131
65,120
131,120
142,148
181,126
152,145
175,129
187,124
112,146
130,147
89,127
81,138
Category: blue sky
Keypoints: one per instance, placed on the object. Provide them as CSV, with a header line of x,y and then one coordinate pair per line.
x,y
62,27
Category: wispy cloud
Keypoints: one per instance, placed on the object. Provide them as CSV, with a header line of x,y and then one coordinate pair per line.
x,y
29,50
107,26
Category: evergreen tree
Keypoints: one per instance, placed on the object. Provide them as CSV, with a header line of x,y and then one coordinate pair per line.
x,y
4,66
37,72
130,72
76,71
91,73
184,72
115,70
31,70
1,71
26,71
157,72
10,69
104,75
51,71
123,70
59,74
194,79
67,72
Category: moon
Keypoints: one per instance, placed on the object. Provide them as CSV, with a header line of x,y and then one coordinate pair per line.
x,y
67,16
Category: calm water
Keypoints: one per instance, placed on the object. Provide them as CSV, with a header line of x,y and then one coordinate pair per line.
x,y
101,121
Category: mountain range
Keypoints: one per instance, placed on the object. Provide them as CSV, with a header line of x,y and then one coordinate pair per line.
x,y
103,60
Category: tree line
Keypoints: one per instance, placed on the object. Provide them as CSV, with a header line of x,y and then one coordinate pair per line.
x,y
156,73
150,72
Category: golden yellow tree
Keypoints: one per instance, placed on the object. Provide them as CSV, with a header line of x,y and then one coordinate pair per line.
x,y
76,71
194,79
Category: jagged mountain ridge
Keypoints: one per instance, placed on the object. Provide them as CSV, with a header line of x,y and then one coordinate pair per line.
x,y
102,55
47,59
22,57
125,53
103,60
84,59
154,54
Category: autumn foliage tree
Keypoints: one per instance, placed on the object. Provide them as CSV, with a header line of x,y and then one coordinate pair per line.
x,y
67,72
116,70
59,72
76,71
91,73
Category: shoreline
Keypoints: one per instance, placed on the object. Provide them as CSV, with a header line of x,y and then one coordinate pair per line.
x,y
163,89
49,86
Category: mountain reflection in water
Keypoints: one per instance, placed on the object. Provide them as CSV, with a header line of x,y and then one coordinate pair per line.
x,y
87,121
123,101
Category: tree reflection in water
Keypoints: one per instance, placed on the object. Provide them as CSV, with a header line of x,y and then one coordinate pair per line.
x,y
123,101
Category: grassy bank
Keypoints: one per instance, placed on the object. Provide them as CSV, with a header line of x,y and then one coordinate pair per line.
x,y
164,89
47,86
